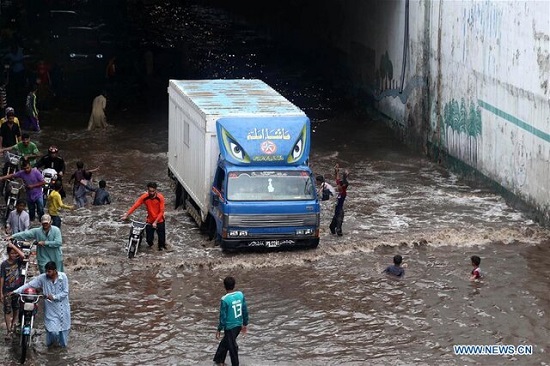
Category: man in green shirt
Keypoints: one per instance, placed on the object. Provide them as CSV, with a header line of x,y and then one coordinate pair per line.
x,y
233,319
26,148
49,241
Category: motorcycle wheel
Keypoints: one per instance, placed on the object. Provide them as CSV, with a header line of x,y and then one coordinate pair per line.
x,y
5,190
8,210
25,343
132,249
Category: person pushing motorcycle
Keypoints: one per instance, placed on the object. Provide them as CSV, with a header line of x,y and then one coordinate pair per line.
x,y
154,203
54,161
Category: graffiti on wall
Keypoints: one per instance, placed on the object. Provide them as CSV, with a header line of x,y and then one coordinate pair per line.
x,y
460,126
384,74
386,86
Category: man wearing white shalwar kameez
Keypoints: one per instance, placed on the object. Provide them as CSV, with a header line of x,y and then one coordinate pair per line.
x,y
57,310
98,118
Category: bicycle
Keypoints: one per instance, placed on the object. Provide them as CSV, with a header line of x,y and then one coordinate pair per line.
x,y
135,238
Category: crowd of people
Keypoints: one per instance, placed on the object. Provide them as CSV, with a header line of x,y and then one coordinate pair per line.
x,y
48,238
33,165
44,205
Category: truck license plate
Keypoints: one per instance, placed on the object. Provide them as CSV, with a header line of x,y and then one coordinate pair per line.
x,y
270,243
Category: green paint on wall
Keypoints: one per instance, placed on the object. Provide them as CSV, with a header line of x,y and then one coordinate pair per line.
x,y
463,117
514,120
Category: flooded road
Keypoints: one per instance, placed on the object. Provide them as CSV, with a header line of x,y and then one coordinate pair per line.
x,y
329,306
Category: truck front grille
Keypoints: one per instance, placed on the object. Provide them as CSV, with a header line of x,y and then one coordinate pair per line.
x,y
272,220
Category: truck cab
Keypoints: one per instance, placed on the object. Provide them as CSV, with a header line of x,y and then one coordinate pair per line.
x,y
263,193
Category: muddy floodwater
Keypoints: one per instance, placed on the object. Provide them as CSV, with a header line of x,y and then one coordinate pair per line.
x,y
328,306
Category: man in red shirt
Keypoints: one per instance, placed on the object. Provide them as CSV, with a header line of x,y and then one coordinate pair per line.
x,y
154,202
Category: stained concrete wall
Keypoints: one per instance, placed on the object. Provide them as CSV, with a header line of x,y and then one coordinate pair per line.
x,y
463,80
475,86
492,109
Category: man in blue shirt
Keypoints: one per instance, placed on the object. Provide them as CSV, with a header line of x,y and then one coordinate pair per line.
x,y
233,318
57,309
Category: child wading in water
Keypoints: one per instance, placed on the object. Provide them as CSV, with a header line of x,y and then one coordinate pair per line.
x,y
101,197
476,272
81,185
396,269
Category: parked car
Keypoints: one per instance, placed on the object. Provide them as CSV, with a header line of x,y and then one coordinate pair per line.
x,y
56,22
86,47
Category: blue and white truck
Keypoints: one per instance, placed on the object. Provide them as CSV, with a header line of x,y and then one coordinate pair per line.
x,y
238,152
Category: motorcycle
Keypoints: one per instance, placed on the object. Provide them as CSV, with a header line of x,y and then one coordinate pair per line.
x,y
28,248
13,188
135,238
29,300
13,164
50,176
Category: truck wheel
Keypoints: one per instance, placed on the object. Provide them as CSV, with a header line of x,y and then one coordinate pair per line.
x,y
211,229
314,244
180,196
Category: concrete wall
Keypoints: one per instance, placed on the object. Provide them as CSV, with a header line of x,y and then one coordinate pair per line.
x,y
475,85
476,82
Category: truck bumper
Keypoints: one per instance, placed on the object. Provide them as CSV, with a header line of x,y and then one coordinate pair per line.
x,y
234,244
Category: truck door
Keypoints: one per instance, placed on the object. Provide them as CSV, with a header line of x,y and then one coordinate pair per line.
x,y
218,198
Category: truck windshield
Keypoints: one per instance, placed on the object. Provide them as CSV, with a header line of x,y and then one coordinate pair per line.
x,y
270,186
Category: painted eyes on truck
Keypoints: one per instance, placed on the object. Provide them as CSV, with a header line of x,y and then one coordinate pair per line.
x,y
234,148
298,149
